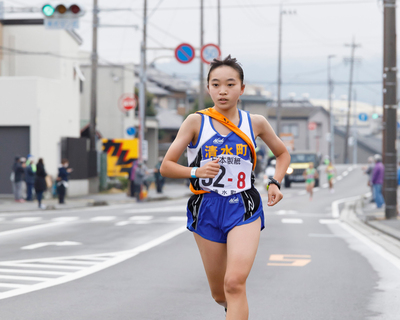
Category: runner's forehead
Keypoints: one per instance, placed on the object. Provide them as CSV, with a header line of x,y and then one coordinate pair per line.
x,y
224,73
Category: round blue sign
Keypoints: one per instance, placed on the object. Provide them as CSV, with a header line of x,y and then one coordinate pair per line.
x,y
184,53
363,117
131,131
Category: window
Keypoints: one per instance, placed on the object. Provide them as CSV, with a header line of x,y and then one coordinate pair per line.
x,y
292,128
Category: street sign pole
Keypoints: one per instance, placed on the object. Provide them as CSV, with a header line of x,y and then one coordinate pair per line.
x,y
390,108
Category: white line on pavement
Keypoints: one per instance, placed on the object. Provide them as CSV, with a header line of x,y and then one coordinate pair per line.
x,y
159,209
8,232
292,221
141,218
103,218
65,219
328,221
28,219
118,258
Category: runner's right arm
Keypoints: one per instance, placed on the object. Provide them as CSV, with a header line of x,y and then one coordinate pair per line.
x,y
187,133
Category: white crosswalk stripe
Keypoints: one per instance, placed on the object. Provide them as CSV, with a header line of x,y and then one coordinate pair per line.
x,y
103,218
295,221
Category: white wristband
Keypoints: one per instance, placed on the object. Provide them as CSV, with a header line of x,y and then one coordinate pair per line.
x,y
193,172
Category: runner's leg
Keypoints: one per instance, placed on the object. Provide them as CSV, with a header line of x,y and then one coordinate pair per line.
x,y
242,248
213,255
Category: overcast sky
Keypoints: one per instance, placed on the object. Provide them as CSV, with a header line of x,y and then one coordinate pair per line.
x,y
318,28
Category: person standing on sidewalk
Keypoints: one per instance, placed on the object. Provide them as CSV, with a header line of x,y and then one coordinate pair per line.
x,y
140,174
40,182
62,180
30,175
19,170
158,177
132,175
377,181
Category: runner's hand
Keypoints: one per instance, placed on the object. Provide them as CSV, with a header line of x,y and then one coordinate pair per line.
x,y
209,170
274,195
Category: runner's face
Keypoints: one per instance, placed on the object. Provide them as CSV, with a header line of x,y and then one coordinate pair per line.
x,y
225,87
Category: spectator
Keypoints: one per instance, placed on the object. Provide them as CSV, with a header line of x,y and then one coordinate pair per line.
x,y
160,180
30,174
62,180
132,178
377,181
40,182
398,175
19,170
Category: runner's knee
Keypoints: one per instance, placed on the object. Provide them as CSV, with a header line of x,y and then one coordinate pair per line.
x,y
235,284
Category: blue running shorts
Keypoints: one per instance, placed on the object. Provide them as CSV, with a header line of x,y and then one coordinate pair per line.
x,y
212,216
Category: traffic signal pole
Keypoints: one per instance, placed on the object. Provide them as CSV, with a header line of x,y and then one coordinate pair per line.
x,y
142,83
93,86
389,108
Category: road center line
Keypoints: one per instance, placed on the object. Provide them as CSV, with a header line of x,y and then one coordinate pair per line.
x,y
40,226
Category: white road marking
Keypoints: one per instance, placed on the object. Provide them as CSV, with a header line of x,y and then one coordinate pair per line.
x,y
292,220
12,285
328,221
112,259
283,212
315,189
28,219
322,235
325,185
301,193
141,218
345,173
103,218
44,244
178,218
24,278
65,219
159,209
5,233
54,273
339,178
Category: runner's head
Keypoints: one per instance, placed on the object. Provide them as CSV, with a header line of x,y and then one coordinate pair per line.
x,y
311,165
225,83
229,62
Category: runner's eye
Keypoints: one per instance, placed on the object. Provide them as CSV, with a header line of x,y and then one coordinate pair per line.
x,y
215,85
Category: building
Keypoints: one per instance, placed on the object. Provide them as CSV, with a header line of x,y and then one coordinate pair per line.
x,y
39,95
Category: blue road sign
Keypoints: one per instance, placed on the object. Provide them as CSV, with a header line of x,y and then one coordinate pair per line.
x,y
363,117
131,131
184,53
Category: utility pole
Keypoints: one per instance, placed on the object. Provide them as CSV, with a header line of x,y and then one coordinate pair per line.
x,y
389,108
355,132
353,46
201,84
93,88
331,118
278,108
142,84
219,24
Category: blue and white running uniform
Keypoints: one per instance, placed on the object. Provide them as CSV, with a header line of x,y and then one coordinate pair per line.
x,y
232,199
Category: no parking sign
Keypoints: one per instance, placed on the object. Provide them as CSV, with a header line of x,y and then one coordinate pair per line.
x,y
184,53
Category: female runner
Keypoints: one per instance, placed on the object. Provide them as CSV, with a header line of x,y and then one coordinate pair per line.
x,y
225,213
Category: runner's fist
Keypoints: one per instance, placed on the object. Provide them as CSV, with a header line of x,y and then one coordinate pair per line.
x,y
209,170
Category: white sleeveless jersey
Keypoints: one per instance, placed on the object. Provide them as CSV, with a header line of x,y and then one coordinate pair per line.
x,y
236,171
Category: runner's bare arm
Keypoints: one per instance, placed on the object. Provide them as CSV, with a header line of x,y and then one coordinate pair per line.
x,y
263,129
170,168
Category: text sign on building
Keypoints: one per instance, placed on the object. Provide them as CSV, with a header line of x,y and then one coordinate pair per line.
x,y
184,53
209,52
61,23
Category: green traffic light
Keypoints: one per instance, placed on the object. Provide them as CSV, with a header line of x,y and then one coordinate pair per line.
x,y
48,10
375,116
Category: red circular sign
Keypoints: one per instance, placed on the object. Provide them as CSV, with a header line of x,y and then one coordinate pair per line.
x,y
312,126
209,52
184,53
127,102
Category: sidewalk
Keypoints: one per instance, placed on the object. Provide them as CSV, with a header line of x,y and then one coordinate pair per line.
x,y
170,191
375,218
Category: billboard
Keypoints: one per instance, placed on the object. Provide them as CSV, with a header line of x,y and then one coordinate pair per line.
x,y
120,155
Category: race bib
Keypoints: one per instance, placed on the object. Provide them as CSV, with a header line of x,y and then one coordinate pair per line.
x,y
234,176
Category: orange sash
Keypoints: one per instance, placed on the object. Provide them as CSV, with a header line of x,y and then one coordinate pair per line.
x,y
211,112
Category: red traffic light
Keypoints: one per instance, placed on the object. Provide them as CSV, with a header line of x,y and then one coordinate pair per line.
x,y
74,9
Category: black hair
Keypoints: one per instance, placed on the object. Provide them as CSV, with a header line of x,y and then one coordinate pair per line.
x,y
228,61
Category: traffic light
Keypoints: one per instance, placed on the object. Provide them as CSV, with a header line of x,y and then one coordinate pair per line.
x,y
62,11
375,116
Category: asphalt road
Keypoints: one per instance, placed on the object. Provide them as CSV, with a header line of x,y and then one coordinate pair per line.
x,y
138,262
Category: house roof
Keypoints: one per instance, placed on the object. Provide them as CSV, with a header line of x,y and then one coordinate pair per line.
x,y
371,143
291,103
254,98
168,119
295,112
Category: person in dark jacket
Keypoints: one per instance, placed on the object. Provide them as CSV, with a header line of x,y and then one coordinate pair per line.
x,y
40,182
62,180
30,174
377,181
160,180
18,179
